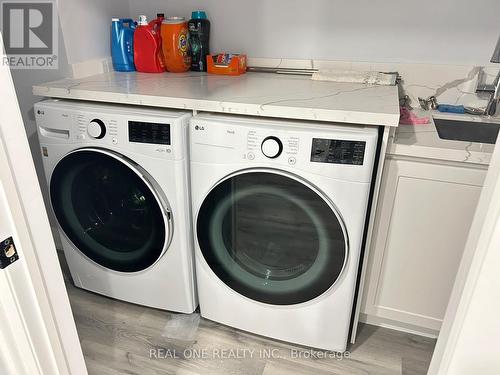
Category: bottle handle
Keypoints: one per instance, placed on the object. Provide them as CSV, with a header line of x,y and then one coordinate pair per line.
x,y
155,24
130,21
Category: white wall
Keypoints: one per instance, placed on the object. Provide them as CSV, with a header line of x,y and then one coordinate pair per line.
x,y
24,79
83,35
86,27
427,31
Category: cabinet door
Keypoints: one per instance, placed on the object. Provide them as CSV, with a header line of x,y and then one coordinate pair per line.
x,y
424,215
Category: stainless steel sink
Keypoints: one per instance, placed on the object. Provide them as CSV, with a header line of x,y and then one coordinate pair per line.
x,y
468,131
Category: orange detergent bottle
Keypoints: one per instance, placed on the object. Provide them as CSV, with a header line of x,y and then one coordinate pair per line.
x,y
174,35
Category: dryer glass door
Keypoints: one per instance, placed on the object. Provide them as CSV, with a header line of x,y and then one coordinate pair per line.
x,y
271,237
108,211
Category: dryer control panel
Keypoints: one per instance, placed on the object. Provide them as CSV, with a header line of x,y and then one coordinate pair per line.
x,y
272,146
339,151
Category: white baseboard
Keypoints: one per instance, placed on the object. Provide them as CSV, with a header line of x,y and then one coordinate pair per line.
x,y
398,326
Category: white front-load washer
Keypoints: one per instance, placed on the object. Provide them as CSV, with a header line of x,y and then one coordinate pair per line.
x,y
279,210
118,183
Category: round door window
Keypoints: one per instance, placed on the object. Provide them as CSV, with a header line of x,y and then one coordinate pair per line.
x,y
107,211
271,238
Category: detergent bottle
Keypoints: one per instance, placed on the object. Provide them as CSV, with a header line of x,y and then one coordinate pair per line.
x,y
174,34
122,44
148,57
199,36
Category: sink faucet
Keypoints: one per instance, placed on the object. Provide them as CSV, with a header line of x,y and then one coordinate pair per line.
x,y
494,88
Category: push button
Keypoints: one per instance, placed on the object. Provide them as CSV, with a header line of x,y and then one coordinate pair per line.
x,y
292,160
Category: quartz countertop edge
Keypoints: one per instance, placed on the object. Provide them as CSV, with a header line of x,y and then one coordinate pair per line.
x,y
254,94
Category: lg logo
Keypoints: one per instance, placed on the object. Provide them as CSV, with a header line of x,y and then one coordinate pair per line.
x,y
198,127
30,34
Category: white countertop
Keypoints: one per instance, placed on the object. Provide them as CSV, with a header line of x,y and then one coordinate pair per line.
x,y
256,94
423,141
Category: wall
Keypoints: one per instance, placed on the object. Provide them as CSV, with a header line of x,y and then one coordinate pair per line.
x,y
425,31
83,35
23,82
86,24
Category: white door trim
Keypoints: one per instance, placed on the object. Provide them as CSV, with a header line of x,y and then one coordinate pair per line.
x,y
482,243
36,299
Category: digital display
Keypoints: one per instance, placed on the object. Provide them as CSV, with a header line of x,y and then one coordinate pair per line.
x,y
337,151
149,132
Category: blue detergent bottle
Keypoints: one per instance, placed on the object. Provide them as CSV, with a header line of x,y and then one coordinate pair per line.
x,y
122,44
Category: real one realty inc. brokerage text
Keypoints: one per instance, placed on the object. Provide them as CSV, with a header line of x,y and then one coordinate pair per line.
x,y
244,353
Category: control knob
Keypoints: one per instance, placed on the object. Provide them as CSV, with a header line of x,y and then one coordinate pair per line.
x,y
271,147
96,129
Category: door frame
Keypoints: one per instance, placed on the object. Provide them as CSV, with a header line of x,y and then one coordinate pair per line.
x,y
42,338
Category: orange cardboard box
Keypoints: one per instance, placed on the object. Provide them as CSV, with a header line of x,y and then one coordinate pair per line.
x,y
227,64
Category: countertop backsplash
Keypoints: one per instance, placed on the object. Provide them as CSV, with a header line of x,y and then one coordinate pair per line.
x,y
450,84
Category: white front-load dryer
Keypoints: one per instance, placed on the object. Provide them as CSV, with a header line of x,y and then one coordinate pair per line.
x,y
279,210
118,183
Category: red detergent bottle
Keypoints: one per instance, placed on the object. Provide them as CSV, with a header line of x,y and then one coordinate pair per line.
x,y
148,56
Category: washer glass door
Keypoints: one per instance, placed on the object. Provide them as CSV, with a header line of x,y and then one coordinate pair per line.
x,y
271,237
107,211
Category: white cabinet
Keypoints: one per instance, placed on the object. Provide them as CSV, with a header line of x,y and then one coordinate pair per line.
x,y
424,213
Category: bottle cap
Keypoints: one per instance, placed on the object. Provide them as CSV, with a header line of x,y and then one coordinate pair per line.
x,y
174,20
115,19
143,20
199,15
160,15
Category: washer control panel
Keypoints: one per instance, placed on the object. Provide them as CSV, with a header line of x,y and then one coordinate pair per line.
x,y
149,132
156,133
96,128
138,131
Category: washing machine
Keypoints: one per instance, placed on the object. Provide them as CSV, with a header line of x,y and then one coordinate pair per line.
x,y
118,183
279,210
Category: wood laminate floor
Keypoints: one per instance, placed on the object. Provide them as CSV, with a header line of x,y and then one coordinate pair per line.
x,y
123,338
